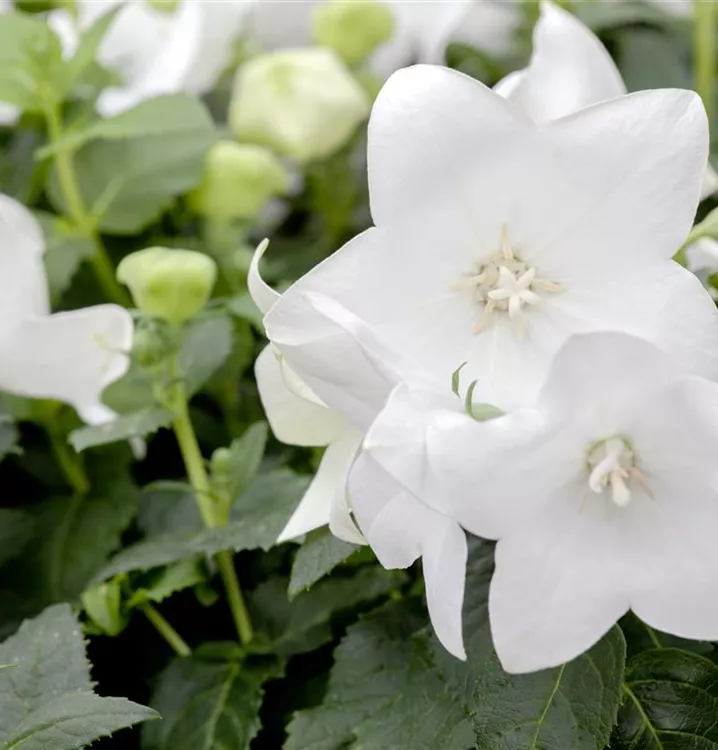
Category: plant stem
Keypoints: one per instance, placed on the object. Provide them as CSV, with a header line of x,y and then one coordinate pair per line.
x,y
82,220
199,480
653,636
163,627
704,52
70,464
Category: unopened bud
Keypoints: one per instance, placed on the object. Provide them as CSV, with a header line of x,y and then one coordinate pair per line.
x,y
302,103
152,344
221,463
170,284
103,605
238,180
352,28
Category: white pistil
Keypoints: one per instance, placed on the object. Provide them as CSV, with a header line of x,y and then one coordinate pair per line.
x,y
506,284
613,465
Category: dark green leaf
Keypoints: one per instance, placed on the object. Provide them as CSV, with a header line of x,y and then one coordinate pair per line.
x,y
176,577
16,529
168,508
74,720
245,458
207,345
670,703
204,707
125,427
318,556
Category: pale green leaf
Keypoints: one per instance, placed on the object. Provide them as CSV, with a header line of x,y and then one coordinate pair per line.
x,y
138,424
318,556
176,577
245,458
207,344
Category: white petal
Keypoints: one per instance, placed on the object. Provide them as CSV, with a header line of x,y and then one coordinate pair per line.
x,y
557,586
702,255
570,69
9,114
327,488
293,420
401,529
262,294
69,356
23,284
285,23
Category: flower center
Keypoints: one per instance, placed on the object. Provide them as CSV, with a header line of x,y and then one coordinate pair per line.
x,y
506,284
612,465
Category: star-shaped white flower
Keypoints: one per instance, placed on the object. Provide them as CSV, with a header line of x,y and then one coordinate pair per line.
x,y
586,211
68,356
298,417
157,51
602,495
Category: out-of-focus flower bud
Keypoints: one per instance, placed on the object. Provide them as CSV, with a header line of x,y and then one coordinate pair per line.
x,y
165,6
303,103
103,605
352,28
238,180
170,284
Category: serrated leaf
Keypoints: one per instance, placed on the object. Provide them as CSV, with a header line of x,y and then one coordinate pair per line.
x,y
318,556
176,577
573,706
125,427
207,344
72,721
16,530
266,507
205,707
245,458
383,693
670,703
168,508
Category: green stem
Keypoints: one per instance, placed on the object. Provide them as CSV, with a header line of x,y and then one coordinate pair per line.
x,y
199,480
70,463
655,640
163,627
78,213
704,52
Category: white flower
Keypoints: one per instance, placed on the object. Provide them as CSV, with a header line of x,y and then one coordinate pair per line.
x,y
602,494
302,103
496,238
158,51
298,417
569,69
67,356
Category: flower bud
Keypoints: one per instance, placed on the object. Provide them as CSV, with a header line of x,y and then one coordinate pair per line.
x,y
103,605
352,28
152,343
238,180
164,6
301,103
170,284
221,463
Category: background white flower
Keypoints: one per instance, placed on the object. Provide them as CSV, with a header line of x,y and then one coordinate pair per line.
x,y
602,496
67,356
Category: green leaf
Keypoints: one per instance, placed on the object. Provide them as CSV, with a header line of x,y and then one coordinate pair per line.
x,y
245,458
16,530
318,556
178,576
204,707
139,424
573,706
168,508
671,702
207,344
129,181
243,307
266,507
384,693
73,721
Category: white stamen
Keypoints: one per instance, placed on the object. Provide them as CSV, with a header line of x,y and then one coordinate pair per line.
x,y
613,465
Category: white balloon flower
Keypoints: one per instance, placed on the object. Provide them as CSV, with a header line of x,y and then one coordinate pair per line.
x,y
298,417
497,237
157,50
67,356
603,495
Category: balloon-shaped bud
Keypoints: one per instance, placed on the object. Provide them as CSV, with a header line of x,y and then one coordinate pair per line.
x,y
103,605
352,28
238,180
170,284
302,103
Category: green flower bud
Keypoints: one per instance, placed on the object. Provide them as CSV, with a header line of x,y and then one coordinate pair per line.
x,y
221,464
301,103
164,6
152,343
352,28
103,605
238,180
170,284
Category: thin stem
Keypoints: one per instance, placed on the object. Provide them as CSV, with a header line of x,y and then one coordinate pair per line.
x,y
163,627
199,480
655,640
704,52
100,260
70,463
